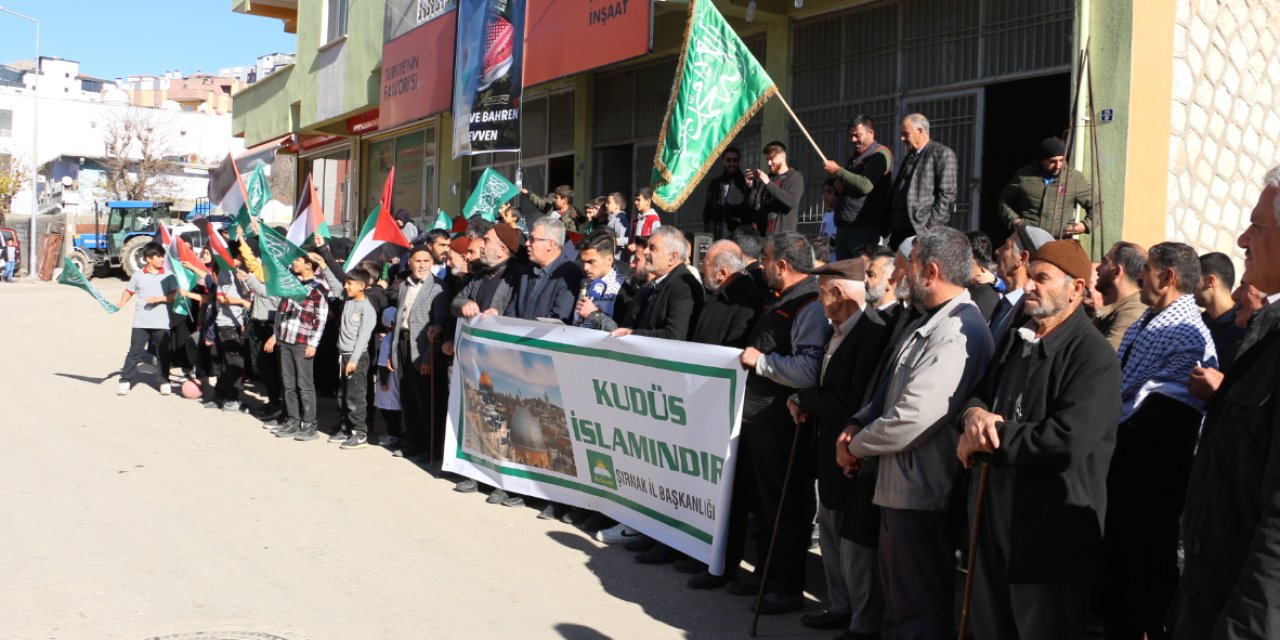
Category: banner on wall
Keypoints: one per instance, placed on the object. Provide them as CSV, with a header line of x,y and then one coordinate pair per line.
x,y
640,429
488,76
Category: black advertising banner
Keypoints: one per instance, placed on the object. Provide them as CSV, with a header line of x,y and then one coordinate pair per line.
x,y
488,76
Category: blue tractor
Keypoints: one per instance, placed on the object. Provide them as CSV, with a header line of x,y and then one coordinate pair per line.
x,y
131,224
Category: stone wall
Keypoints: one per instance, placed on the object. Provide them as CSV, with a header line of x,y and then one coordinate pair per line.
x,y
1225,131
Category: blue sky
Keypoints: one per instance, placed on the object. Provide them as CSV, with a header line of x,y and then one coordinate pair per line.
x,y
115,38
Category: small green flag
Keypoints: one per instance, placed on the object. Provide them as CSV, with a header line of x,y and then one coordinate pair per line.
x,y
442,221
491,192
72,276
259,194
277,255
719,85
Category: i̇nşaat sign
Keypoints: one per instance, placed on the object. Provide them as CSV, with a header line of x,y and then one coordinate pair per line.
x,y
564,37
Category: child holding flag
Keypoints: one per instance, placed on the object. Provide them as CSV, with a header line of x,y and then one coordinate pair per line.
x,y
155,290
298,328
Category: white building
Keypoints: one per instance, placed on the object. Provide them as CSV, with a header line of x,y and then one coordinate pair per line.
x,y
73,123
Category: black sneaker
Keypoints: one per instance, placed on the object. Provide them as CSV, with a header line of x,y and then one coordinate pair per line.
x,y
231,406
211,404
497,496
274,423
306,432
596,522
338,436
289,430
467,486
357,440
705,581
688,565
659,554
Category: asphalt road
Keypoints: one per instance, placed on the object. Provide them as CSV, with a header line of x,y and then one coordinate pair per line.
x,y
145,516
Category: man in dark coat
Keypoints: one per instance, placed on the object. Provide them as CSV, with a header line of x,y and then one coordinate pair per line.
x,y
548,288
1231,523
855,601
775,194
1045,415
727,206
733,301
671,311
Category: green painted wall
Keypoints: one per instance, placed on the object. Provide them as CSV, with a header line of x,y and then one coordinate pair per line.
x,y
1110,33
345,75
262,111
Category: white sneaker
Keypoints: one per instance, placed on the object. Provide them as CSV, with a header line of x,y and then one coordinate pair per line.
x,y
619,534
165,389
123,389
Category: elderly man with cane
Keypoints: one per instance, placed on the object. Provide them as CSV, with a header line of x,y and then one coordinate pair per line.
x,y
1045,417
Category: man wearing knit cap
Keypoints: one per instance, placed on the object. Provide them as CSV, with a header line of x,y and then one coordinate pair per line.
x,y
1046,192
1044,417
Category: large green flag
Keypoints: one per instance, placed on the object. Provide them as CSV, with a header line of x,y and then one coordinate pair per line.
x,y
71,275
719,85
277,255
491,192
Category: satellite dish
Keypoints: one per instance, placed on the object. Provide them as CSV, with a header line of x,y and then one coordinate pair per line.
x,y
66,181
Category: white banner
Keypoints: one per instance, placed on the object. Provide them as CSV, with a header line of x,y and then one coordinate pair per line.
x,y
640,429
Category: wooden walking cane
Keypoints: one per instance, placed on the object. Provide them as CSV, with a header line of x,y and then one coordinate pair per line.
x,y
431,437
773,538
973,549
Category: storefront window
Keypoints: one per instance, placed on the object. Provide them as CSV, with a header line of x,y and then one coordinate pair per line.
x,y
413,155
331,173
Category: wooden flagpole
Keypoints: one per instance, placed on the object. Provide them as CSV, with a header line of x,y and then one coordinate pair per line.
x,y
801,125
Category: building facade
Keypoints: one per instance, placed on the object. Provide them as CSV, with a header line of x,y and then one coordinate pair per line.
x,y
993,76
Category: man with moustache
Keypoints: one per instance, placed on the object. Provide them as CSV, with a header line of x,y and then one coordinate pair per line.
x,y
862,190
1231,521
1012,260
1044,417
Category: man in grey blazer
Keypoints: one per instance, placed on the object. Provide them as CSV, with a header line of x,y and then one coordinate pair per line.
x,y
422,319
924,189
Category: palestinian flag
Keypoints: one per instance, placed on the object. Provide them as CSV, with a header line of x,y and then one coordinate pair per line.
x,y
379,228
217,246
173,244
308,217
226,188
452,225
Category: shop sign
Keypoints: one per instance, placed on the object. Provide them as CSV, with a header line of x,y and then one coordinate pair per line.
x,y
565,37
417,72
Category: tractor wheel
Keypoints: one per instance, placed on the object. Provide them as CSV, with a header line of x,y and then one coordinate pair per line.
x,y
83,263
131,259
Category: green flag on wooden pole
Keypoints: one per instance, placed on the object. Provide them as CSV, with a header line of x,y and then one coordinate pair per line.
x,y
719,85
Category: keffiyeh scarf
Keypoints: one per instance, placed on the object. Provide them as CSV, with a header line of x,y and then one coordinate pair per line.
x,y
1158,353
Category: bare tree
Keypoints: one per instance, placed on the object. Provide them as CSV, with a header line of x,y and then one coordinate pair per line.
x,y
15,174
137,151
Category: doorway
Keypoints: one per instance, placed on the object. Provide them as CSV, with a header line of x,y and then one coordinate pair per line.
x,y
1018,115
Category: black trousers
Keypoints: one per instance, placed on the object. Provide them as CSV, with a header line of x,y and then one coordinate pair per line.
x,y
351,398
1146,489
1017,611
138,341
265,365
764,448
299,385
415,398
231,354
917,567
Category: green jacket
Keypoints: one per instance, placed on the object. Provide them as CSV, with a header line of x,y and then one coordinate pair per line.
x,y
1029,199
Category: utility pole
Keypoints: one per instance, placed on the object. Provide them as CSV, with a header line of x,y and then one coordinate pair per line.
x,y
35,149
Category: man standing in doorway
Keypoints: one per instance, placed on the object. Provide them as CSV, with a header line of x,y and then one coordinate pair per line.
x,y
1046,192
726,206
924,190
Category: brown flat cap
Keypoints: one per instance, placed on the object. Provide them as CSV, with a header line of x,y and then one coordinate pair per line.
x,y
852,269
1067,255
509,236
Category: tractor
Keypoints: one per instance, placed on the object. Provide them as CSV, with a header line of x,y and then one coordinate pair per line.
x,y
131,224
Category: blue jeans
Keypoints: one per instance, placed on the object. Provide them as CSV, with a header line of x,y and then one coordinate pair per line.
x,y
8,271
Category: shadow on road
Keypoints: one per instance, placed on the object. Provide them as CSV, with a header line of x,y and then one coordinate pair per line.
x,y
89,379
661,591
570,631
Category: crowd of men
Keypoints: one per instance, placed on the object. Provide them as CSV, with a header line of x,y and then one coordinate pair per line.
x,y
1063,428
